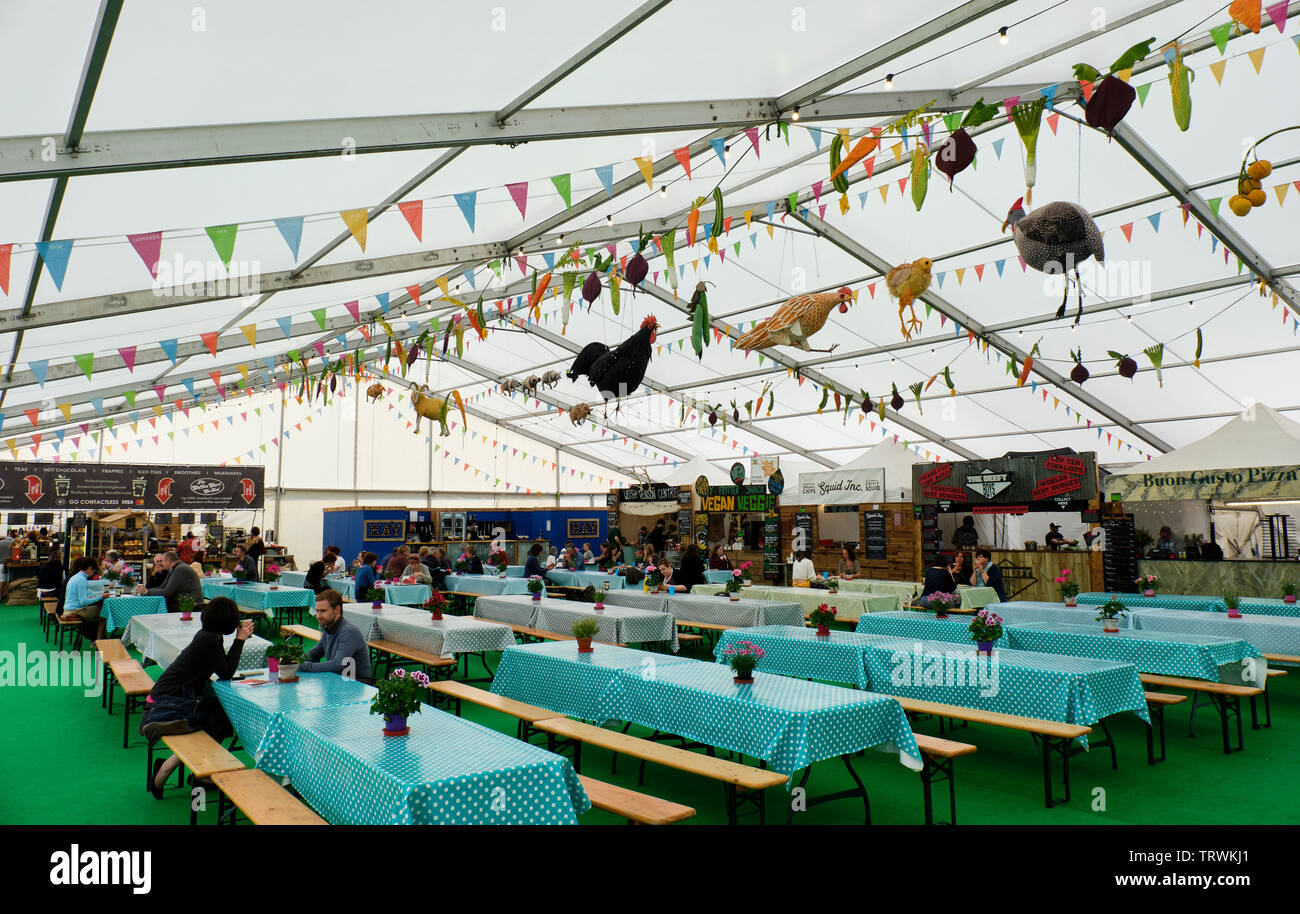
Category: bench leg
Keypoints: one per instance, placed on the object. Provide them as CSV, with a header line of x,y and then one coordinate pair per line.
x,y
1226,705
1268,713
1157,713
1061,747
932,770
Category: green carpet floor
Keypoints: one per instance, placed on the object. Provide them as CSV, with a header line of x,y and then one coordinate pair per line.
x,y
62,762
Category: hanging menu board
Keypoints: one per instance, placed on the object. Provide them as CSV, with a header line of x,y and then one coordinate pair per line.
x,y
874,548
803,532
611,511
931,535
684,518
1119,561
773,567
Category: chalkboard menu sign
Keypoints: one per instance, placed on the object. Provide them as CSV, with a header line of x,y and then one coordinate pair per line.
x,y
185,517
931,535
773,567
684,518
43,519
160,519
17,520
208,517
803,532
611,510
1119,561
873,550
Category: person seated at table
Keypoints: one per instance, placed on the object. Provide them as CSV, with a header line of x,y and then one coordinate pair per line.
x,y
803,569
77,602
415,572
960,571
366,574
113,561
692,571
340,641
396,563
49,577
475,563
938,579
157,572
631,573
340,565
181,581
718,560
666,571
988,574
182,701
588,557
315,579
245,563
573,560
533,563
848,567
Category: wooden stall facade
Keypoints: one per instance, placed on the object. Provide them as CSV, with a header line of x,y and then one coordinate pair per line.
x,y
902,541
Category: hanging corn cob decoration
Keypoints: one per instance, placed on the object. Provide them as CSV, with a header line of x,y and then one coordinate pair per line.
x,y
1180,77
1156,354
1028,117
920,173
1196,361
614,282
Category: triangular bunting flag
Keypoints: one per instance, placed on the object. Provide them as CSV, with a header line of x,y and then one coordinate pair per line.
x,y
223,241
356,221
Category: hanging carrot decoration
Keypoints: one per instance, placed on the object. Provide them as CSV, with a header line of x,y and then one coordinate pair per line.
x,y
863,148
693,223
539,289
460,404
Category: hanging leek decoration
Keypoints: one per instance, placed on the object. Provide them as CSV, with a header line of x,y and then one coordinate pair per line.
x,y
1156,354
916,392
1028,117
666,243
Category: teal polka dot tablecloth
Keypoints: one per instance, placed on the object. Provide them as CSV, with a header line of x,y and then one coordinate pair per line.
x,y
397,594
1248,605
117,611
798,651
1027,612
446,771
717,575
596,579
976,597
162,637
293,578
1163,653
488,584
255,707
1074,690
714,610
901,589
1269,634
261,596
847,605
415,628
785,722
620,624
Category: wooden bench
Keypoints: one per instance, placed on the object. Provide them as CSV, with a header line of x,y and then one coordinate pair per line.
x,y
453,693
198,752
1282,658
72,626
709,630
635,807
1053,736
49,609
536,634
262,801
1156,704
136,686
300,631
385,651
937,758
736,778
1225,696
110,649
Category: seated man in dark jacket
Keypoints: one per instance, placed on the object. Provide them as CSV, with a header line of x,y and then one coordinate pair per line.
x,y
245,563
342,647
181,580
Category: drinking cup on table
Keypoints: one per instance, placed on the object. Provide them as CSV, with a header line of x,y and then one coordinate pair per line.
x,y
139,590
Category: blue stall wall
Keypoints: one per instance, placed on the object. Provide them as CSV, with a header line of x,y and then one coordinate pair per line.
x,y
346,529
532,524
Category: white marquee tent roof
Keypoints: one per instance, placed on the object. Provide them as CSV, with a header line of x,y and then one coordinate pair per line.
x,y
346,109
1259,437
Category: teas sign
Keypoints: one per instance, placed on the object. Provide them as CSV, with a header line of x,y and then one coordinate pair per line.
x,y
73,487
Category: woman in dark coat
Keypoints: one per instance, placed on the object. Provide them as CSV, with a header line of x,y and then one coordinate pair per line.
x,y
692,570
316,578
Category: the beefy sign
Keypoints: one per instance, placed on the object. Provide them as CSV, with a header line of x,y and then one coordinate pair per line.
x,y
75,487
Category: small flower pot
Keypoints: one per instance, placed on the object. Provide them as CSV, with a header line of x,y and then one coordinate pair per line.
x,y
823,631
272,665
745,679
436,615
1148,592
377,606
1110,626
584,645
1288,598
1071,601
941,613
288,672
599,607
275,586
537,596
984,648
187,617
395,725
733,597
1234,614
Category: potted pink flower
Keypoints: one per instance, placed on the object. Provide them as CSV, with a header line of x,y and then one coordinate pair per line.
x,y
746,576
1288,592
398,698
535,587
1149,583
940,603
985,628
271,575
1069,589
822,617
1108,615
732,586
743,656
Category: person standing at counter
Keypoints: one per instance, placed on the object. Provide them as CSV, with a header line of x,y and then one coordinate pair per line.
x,y
1166,540
657,536
988,574
1055,538
719,561
966,536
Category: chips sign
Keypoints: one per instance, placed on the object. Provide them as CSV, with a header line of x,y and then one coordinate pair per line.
x,y
72,486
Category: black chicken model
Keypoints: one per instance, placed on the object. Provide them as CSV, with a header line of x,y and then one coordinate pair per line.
x,y
619,371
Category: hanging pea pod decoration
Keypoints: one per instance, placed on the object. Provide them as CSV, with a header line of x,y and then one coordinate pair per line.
x,y
482,323
1196,361
771,402
388,351
698,309
920,173
947,379
716,231
614,282
826,393
682,419
841,180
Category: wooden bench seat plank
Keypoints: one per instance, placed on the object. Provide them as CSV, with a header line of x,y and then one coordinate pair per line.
x,y
942,748
131,677
111,649
1164,698
1199,685
413,654
1010,721
629,804
742,776
1282,658
301,631
262,800
201,754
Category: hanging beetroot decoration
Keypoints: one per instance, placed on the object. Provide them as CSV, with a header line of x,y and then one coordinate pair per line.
x,y
1127,366
958,151
867,405
1111,97
591,287
713,415
1079,373
896,401
637,268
